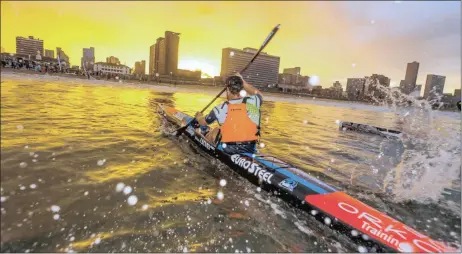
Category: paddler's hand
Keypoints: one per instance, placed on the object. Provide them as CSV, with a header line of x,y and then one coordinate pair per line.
x,y
199,115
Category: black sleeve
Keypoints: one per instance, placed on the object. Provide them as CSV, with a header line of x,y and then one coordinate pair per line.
x,y
211,117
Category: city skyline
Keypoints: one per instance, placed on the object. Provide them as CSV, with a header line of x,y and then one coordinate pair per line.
x,y
335,41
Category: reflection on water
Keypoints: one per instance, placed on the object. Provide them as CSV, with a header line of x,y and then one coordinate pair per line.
x,y
70,144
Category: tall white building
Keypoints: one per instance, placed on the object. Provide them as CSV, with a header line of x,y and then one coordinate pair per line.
x,y
262,72
111,68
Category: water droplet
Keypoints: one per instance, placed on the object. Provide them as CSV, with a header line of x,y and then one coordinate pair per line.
x,y
132,200
224,145
258,189
220,195
354,233
145,207
3,199
33,186
246,203
327,221
56,217
243,93
23,164
405,247
314,212
222,182
86,193
127,190
55,208
362,249
72,239
262,145
305,121
98,240
120,187
101,162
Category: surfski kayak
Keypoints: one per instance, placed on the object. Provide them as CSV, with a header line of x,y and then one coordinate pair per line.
x,y
350,126
365,225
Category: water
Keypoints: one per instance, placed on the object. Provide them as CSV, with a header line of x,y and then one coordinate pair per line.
x,y
70,150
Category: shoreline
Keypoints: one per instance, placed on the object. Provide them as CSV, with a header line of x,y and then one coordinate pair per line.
x,y
7,73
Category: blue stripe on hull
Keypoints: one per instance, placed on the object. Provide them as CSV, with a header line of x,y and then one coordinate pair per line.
x,y
289,174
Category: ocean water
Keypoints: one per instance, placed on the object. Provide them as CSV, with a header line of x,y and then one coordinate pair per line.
x,y
86,166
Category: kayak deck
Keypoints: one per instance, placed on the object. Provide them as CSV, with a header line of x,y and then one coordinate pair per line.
x,y
363,224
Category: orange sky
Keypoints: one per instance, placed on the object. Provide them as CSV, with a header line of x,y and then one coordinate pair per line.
x,y
317,36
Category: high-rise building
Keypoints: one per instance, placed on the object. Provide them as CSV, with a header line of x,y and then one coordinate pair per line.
x,y
434,86
88,58
165,54
337,85
140,67
152,59
172,41
160,56
50,53
293,71
408,84
375,86
262,72
62,56
457,94
355,88
112,60
29,46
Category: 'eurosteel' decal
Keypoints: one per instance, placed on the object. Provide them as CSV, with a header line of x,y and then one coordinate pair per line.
x,y
252,168
375,224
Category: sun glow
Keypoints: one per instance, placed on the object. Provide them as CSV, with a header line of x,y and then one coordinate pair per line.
x,y
208,69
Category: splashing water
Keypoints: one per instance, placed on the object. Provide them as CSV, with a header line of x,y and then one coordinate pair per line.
x,y
432,149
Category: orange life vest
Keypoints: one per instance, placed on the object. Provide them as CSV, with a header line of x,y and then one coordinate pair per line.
x,y
238,127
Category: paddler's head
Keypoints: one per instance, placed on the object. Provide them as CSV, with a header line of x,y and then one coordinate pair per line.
x,y
234,85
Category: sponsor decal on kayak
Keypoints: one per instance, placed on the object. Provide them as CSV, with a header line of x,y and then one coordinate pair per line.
x,y
179,115
190,130
288,184
252,168
375,224
204,143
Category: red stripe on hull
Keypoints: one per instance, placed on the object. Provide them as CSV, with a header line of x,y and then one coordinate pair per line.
x,y
375,224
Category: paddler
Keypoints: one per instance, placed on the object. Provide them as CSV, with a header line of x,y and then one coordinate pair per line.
x,y
238,118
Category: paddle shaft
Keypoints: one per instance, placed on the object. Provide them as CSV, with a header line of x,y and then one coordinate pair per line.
x,y
267,40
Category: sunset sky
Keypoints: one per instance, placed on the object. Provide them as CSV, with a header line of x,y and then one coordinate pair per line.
x,y
334,40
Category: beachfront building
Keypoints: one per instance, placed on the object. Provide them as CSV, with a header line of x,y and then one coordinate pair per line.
x,y
140,67
163,55
434,86
355,88
112,60
408,85
88,58
263,72
29,46
63,58
111,68
50,53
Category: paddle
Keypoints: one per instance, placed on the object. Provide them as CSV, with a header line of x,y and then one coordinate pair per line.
x,y
267,40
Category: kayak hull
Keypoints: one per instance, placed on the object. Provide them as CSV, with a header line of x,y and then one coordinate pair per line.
x,y
361,223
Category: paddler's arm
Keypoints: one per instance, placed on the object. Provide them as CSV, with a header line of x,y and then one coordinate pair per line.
x,y
201,119
251,90
206,120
